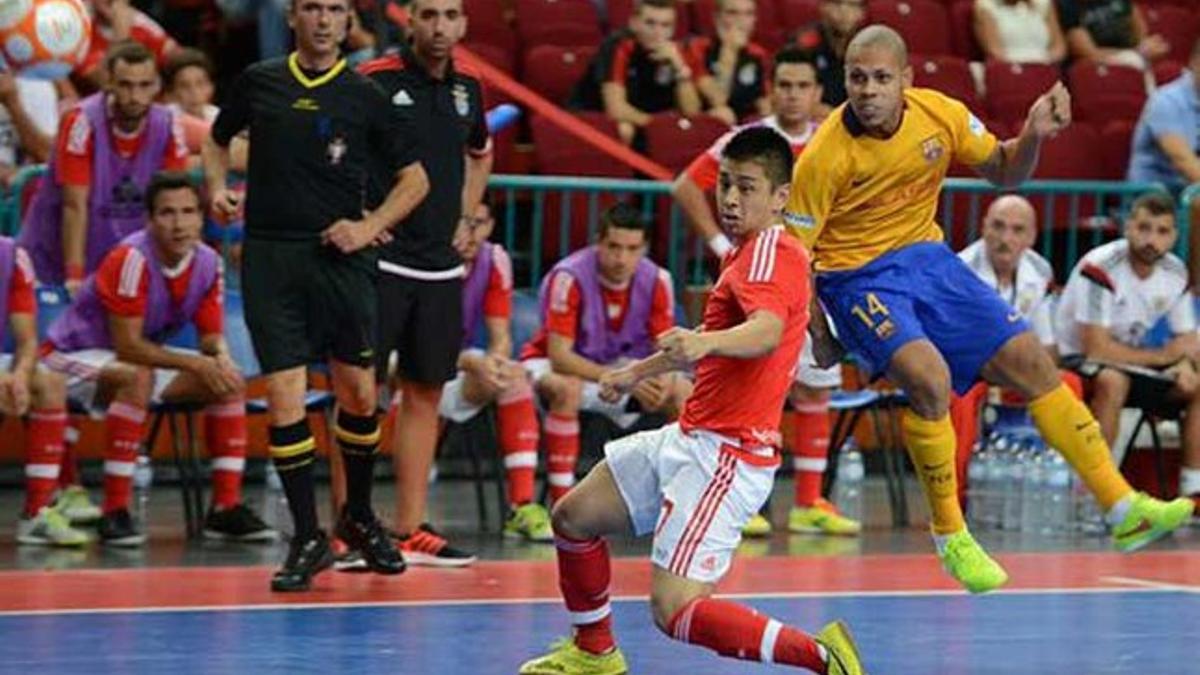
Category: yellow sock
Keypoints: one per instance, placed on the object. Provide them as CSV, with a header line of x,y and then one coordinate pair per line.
x,y
931,445
1069,427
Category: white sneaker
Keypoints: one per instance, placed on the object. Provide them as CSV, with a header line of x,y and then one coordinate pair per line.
x,y
49,528
74,503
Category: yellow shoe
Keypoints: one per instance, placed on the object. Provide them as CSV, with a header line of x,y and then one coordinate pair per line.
x,y
843,654
757,526
822,518
966,561
567,659
1148,519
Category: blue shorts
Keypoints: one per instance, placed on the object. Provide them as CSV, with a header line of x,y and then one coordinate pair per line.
x,y
922,291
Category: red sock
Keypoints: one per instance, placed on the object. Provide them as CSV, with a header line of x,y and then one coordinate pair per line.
x,y
583,576
518,429
43,457
124,424
739,632
69,475
810,450
964,415
562,451
225,431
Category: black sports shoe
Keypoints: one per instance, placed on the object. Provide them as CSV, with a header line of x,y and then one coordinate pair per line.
x,y
371,541
306,558
237,523
118,529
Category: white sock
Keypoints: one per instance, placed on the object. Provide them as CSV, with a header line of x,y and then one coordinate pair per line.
x,y
1189,481
1119,510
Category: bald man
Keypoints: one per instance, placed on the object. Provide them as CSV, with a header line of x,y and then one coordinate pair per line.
x,y
1003,260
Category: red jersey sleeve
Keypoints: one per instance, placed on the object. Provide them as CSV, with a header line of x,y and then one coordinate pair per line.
x,y
74,149
773,278
210,315
662,307
562,315
20,288
619,67
694,56
122,282
175,154
497,299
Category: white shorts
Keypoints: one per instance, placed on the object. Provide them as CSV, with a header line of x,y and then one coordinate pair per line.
x,y
82,369
590,400
810,374
693,492
454,406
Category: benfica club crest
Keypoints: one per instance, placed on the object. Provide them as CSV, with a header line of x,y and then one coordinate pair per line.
x,y
336,150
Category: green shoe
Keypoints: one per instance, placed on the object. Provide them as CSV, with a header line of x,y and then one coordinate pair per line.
x,y
74,503
567,659
757,526
1148,519
843,654
49,528
530,522
822,518
966,561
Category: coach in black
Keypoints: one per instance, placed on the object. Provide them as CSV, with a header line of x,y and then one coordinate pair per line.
x,y
317,130
420,285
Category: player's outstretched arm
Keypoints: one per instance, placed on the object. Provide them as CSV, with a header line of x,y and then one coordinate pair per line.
x,y
1014,160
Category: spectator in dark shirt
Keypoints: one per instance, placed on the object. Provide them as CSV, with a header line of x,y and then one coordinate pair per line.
x,y
825,42
731,71
1110,31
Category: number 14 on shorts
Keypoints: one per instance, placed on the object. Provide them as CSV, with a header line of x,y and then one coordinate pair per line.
x,y
876,316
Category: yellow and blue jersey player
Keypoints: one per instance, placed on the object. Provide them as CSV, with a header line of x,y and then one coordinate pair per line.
x,y
863,199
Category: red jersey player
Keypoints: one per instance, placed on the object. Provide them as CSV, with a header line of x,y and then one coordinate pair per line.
x,y
694,484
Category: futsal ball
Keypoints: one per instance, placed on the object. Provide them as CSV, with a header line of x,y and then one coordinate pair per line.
x,y
44,39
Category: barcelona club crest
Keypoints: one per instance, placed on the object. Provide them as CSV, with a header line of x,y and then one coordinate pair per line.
x,y
932,150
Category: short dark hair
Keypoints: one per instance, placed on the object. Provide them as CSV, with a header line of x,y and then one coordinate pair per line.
x,y
793,55
657,4
127,51
187,57
624,217
767,148
1155,203
165,181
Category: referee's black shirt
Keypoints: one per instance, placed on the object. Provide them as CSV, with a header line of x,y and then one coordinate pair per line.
x,y
448,117
313,139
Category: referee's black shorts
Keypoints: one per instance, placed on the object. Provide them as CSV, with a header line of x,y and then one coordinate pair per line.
x,y
422,322
306,303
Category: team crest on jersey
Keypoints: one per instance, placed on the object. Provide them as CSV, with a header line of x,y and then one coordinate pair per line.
x,y
664,75
932,150
1160,304
336,150
462,100
748,74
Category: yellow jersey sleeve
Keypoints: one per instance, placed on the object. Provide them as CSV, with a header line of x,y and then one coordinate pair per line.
x,y
973,143
816,183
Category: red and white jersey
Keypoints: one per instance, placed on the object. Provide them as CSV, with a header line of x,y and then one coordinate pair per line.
x,y
143,29
123,284
1029,293
743,398
704,169
1104,291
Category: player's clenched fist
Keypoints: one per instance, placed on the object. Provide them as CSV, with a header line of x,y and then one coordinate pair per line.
x,y
683,346
1051,113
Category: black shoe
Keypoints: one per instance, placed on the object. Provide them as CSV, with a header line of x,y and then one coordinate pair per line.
x,y
372,542
237,523
346,559
306,559
118,529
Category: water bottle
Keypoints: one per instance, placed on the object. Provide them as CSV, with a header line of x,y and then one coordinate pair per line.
x,y
1056,497
275,504
1033,487
992,508
978,474
1088,518
1014,487
143,478
847,494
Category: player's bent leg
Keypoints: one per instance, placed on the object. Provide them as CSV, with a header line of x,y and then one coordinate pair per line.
x,y
564,396
41,523
1068,426
964,415
125,424
811,513
517,429
1110,389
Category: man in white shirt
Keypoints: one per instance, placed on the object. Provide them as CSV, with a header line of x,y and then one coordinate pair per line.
x,y
1114,296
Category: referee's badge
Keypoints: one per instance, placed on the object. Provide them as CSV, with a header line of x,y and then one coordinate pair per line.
x,y
336,150
462,100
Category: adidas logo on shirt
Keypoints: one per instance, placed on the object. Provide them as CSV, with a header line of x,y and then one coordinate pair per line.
x,y
402,98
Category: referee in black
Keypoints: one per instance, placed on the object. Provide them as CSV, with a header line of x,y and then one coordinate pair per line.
x,y
317,129
420,286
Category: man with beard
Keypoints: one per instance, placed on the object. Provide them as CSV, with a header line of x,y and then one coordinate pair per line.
x,y
1114,296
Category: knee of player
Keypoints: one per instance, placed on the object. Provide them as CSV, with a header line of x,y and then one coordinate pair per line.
x,y
567,518
666,603
1111,385
929,395
129,381
49,389
565,392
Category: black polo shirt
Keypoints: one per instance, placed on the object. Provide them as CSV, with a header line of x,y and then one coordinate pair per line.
x,y
649,84
447,115
315,139
831,69
749,71
1109,22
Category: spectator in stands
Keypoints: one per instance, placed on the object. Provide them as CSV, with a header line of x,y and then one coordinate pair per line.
x,y
1165,142
270,16
1109,31
113,22
1019,31
110,345
1114,296
188,84
731,71
602,306
639,71
826,41
106,151
28,120
26,389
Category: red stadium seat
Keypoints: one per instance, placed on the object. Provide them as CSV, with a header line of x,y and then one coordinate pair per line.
x,y
494,54
1177,25
533,12
796,13
962,36
949,75
923,23
1013,87
674,141
553,71
489,24
1075,153
561,34
1116,143
1167,70
1102,93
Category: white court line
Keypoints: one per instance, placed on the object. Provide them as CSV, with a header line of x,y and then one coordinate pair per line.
x,y
795,595
1151,584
